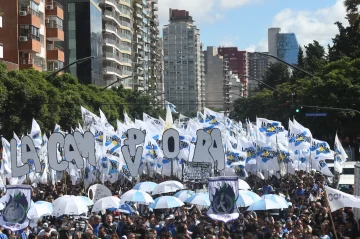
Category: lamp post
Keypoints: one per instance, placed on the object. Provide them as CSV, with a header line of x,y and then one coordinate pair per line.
x,y
75,62
288,64
117,81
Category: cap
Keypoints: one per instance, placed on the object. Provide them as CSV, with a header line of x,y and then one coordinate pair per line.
x,y
41,191
45,225
170,217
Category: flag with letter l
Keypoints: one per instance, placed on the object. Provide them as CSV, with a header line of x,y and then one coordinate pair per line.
x,y
223,193
17,204
338,199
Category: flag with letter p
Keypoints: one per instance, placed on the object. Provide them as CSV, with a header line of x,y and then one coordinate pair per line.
x,y
223,193
338,199
17,204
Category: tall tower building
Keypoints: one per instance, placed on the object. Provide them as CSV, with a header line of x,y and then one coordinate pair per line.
x,y
183,62
117,35
238,64
31,29
283,45
257,67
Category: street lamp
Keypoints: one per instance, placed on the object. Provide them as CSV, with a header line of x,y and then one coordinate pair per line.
x,y
75,62
281,60
261,82
117,81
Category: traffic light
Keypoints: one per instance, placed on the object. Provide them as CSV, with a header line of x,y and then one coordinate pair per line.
x,y
297,110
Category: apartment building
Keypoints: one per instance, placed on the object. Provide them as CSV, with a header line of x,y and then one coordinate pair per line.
x,y
257,67
183,63
30,32
117,36
238,64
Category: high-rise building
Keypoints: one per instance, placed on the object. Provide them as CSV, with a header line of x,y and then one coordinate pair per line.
x,y
117,35
214,78
183,63
30,32
283,45
238,64
257,67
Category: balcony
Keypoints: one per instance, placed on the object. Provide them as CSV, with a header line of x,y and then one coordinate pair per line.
x,y
156,9
29,17
55,53
30,44
155,1
30,63
54,8
54,32
110,55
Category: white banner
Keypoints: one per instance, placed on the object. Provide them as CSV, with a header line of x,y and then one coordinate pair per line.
x,y
338,199
223,193
17,204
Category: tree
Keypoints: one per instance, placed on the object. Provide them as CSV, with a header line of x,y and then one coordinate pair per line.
x,y
337,85
314,59
300,57
26,94
276,74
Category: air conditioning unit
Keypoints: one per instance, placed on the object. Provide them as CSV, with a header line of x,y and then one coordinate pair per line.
x,y
49,7
22,13
23,38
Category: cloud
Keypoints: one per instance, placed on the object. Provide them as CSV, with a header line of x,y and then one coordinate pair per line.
x,y
308,26
202,11
228,4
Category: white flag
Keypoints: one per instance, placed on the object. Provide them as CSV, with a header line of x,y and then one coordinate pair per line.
x,y
338,199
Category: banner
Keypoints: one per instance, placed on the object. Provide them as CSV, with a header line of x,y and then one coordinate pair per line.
x,y
338,199
197,171
17,204
98,191
223,193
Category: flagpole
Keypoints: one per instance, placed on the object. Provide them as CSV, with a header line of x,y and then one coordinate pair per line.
x,y
331,218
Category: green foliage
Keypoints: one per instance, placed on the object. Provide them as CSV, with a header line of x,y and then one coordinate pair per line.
x,y
26,94
276,74
337,85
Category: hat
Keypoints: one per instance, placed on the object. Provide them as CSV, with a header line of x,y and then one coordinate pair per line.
x,y
170,217
41,191
45,225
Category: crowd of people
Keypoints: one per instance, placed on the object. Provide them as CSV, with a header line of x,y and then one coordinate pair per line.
x,y
308,216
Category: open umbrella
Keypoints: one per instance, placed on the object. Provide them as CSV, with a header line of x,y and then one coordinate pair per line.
x,y
166,202
136,196
145,186
168,187
106,203
69,205
244,200
126,208
251,194
243,185
40,209
201,199
265,204
86,200
277,199
184,194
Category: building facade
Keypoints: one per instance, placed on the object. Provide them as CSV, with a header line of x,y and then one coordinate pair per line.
x,y
183,63
257,67
30,33
283,45
1,45
238,64
214,78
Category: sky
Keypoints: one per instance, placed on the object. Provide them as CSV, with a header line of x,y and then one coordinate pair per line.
x,y
244,23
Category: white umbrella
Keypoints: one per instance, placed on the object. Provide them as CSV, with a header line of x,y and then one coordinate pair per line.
x,y
145,186
69,205
244,200
201,199
106,203
277,199
184,194
136,196
40,209
167,187
265,204
86,200
251,194
243,185
166,202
